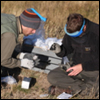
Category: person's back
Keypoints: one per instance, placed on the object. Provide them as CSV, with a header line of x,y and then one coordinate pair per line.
x,y
8,24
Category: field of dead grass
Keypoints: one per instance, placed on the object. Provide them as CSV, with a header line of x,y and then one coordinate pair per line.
x,y
39,86
56,13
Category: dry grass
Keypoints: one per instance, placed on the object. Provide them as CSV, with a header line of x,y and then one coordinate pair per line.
x,y
56,13
40,86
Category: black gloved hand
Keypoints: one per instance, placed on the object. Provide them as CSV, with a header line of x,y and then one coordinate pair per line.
x,y
55,48
65,67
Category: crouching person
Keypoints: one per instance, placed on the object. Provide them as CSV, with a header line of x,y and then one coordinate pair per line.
x,y
11,26
82,41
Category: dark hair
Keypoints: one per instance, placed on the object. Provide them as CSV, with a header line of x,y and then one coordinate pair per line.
x,y
74,22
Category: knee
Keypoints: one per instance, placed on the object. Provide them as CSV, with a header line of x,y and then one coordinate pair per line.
x,y
51,78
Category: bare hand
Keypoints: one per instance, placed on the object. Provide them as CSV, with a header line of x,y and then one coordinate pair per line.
x,y
76,70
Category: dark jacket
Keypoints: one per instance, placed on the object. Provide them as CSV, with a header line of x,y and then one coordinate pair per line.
x,y
85,48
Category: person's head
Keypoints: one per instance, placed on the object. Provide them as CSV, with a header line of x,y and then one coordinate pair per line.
x,y
30,21
75,25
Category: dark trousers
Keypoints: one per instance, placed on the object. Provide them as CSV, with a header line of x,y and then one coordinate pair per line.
x,y
86,79
11,71
8,71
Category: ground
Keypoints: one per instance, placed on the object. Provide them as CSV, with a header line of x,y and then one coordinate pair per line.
x,y
39,86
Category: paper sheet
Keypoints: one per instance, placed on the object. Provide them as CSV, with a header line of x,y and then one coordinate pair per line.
x,y
64,96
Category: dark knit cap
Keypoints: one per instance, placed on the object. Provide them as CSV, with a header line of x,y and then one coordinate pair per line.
x,y
30,19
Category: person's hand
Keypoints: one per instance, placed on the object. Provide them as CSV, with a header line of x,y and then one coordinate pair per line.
x,y
55,48
30,56
27,63
75,70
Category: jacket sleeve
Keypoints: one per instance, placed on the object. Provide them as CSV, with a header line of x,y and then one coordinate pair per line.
x,y
66,47
8,43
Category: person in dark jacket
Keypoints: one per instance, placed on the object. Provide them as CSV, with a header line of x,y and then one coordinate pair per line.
x,y
82,42
11,26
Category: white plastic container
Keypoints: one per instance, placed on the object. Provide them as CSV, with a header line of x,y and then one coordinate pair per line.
x,y
26,83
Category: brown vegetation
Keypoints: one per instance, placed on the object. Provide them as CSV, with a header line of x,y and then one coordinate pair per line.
x,y
56,13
